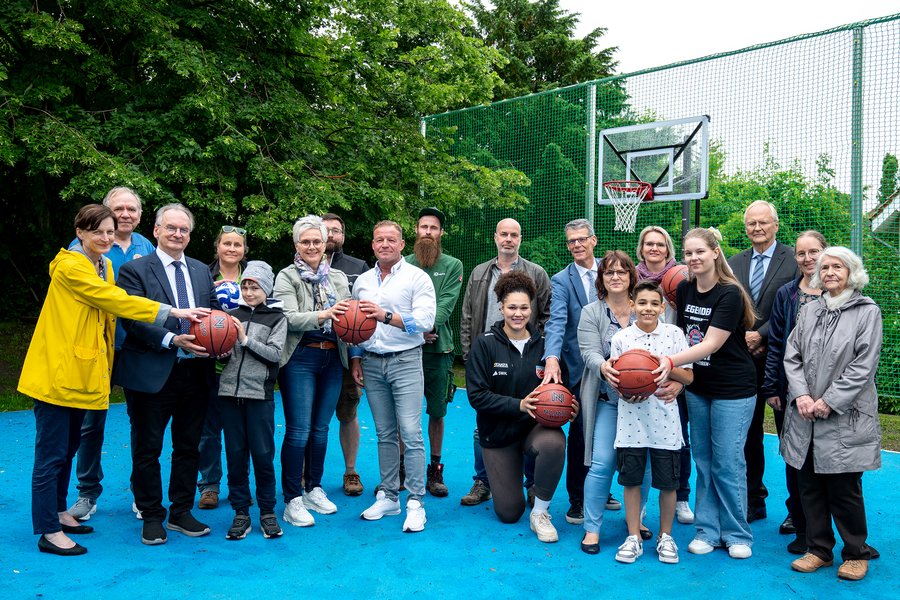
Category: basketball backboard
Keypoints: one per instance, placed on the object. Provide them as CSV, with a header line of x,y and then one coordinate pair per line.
x,y
673,156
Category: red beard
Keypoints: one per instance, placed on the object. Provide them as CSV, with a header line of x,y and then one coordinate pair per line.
x,y
427,251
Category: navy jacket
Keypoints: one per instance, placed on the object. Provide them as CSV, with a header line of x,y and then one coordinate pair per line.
x,y
781,323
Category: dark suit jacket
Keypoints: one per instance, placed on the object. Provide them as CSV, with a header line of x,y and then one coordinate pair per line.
x,y
782,269
567,298
142,364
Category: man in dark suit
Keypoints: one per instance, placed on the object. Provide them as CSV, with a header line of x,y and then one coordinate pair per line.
x,y
761,269
166,376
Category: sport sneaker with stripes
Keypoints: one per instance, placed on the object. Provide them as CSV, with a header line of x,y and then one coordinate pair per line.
x,y
83,508
630,550
666,549
269,525
240,526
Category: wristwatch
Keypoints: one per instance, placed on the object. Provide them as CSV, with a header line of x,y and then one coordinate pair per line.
x,y
388,315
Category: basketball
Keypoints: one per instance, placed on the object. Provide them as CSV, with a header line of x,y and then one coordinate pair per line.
x,y
354,327
670,281
553,406
215,332
636,376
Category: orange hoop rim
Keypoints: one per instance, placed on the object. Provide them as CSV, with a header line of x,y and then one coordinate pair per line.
x,y
642,189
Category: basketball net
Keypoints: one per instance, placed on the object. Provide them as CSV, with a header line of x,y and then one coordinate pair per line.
x,y
626,197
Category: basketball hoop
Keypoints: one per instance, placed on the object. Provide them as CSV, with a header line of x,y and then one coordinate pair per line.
x,y
626,197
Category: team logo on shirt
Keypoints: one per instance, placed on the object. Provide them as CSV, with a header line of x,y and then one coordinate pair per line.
x,y
539,371
695,336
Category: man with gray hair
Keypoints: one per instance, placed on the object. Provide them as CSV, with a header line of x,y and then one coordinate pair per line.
x,y
762,269
128,245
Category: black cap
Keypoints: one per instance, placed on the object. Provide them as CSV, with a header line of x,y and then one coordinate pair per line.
x,y
431,211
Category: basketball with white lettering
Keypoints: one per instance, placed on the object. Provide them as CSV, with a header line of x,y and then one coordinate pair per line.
x,y
670,282
636,378
215,332
553,407
354,327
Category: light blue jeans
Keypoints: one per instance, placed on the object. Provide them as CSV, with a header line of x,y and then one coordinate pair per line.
x,y
394,387
603,467
718,432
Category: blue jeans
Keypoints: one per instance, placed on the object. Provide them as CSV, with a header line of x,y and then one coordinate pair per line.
x,y
87,468
718,433
57,434
310,384
394,388
211,445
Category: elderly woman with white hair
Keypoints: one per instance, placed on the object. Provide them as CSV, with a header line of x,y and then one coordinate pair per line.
x,y
311,368
831,430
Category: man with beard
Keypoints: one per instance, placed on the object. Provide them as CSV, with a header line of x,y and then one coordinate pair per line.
x,y
446,274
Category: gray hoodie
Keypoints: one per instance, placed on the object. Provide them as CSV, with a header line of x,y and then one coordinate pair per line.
x,y
252,368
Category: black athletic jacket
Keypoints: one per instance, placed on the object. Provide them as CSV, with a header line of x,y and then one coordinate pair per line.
x,y
497,378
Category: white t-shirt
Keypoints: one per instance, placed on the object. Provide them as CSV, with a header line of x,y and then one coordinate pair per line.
x,y
651,423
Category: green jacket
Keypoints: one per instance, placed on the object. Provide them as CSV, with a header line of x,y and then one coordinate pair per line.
x,y
447,276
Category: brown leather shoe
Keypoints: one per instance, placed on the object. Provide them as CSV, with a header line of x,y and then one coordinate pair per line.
x,y
809,563
352,485
208,499
854,570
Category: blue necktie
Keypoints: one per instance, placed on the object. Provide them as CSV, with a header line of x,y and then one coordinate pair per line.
x,y
181,290
592,288
756,278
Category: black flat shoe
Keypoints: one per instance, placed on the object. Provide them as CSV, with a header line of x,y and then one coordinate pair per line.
x,y
590,548
76,529
646,534
787,526
45,545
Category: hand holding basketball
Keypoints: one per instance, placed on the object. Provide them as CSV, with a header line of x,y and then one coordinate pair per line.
x,y
351,323
191,314
636,374
553,405
241,332
334,313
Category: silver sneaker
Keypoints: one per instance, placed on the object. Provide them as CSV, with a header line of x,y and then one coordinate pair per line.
x,y
666,549
630,550
83,508
683,512
541,525
296,514
415,517
317,501
382,508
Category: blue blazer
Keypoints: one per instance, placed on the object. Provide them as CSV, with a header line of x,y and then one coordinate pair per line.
x,y
567,298
143,365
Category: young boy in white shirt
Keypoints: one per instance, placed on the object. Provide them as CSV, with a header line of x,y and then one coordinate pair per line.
x,y
649,427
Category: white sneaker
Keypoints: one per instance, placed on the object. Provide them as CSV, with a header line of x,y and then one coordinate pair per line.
x,y
415,517
683,512
83,509
630,550
666,549
296,514
382,508
316,500
739,551
698,546
541,525
137,513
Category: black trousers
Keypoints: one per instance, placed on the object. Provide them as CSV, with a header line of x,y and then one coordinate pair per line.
x,y
793,504
249,427
835,496
754,453
182,400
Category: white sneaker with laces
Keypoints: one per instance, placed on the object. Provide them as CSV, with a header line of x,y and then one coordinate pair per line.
x,y
316,500
83,509
541,525
683,512
739,551
630,550
666,549
698,546
415,517
296,514
382,508
137,513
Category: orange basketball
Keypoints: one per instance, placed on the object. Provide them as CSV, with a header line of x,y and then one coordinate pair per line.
x,y
636,376
215,332
553,407
354,327
671,279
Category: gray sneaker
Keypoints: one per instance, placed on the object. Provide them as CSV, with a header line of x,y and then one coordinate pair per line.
x,y
83,508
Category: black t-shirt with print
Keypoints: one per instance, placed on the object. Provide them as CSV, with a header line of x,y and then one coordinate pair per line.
x,y
729,372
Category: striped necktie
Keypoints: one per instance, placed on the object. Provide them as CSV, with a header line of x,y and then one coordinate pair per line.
x,y
756,278
592,286
181,291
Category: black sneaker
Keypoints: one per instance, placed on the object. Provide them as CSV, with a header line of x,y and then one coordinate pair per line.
x,y
186,523
153,533
269,525
575,514
239,528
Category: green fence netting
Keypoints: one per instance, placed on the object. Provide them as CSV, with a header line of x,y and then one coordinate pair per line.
x,y
809,123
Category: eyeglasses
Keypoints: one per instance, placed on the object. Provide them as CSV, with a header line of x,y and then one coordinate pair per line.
x,y
811,254
578,241
755,224
233,229
308,243
335,231
172,230
619,274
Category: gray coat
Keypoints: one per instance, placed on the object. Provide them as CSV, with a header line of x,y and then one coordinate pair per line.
x,y
833,355
591,329
299,307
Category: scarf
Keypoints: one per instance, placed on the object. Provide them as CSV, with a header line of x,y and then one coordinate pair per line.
x,y
322,293
645,274
836,302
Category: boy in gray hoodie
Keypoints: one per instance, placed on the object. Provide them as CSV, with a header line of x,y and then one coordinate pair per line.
x,y
246,393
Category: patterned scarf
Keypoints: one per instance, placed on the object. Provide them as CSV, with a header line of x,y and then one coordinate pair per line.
x,y
644,273
322,293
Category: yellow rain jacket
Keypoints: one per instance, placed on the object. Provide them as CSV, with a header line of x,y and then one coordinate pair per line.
x,y
70,358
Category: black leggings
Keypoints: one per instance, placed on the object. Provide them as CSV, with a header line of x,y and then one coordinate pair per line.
x,y
505,469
